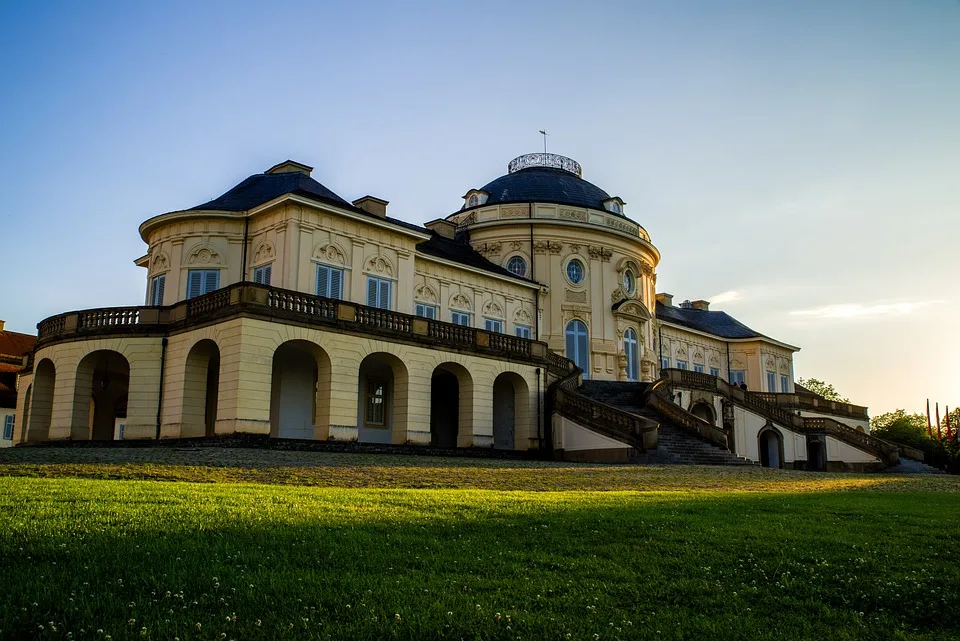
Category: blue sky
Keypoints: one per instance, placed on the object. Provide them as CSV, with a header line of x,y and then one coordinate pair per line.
x,y
796,162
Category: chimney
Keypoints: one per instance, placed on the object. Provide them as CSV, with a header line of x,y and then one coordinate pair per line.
x,y
289,167
1,325
442,227
665,299
372,205
702,305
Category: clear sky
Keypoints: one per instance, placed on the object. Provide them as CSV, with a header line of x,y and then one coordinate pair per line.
x,y
797,163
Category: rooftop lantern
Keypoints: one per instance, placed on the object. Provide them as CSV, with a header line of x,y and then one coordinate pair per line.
x,y
551,161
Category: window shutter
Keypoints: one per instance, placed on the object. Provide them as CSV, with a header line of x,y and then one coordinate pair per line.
x,y
384,301
431,312
372,292
267,274
194,284
156,293
336,283
211,280
583,349
323,277
258,276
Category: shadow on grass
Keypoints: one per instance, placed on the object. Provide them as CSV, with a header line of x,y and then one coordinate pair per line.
x,y
265,562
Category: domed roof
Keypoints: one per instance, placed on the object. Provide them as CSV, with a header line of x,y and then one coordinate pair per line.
x,y
545,178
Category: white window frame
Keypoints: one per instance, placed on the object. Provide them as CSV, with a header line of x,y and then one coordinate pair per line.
x,y
771,381
682,365
461,318
523,331
157,286
697,367
329,290
425,311
738,376
206,275
8,422
263,274
784,383
715,371
493,325
664,362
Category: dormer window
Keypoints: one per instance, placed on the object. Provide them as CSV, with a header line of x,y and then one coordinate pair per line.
x,y
614,205
474,198
473,201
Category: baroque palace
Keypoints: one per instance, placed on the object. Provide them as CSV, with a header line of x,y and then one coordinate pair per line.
x,y
527,320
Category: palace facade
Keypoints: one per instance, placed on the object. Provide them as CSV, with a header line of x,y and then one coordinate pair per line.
x,y
527,320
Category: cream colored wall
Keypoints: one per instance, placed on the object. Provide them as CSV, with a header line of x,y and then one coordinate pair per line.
x,y
756,357
846,420
840,451
501,232
747,431
571,437
694,348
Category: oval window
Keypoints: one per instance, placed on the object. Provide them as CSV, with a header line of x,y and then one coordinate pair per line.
x,y
628,282
575,271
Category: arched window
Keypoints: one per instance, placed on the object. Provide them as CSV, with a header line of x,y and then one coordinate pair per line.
x,y
474,201
575,271
517,265
632,350
578,345
628,282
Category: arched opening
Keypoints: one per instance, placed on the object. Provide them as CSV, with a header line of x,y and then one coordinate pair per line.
x,y
41,408
731,437
816,456
509,409
578,345
632,350
201,385
771,448
704,411
25,419
300,391
100,396
451,406
382,402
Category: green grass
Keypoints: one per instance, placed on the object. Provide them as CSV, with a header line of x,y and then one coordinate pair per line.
x,y
796,558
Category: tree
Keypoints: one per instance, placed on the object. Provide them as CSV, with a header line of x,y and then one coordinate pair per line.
x,y
825,390
900,427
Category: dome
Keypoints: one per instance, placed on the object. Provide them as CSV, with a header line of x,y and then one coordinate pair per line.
x,y
545,178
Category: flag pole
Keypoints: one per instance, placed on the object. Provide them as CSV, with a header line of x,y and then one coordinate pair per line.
x,y
929,424
936,407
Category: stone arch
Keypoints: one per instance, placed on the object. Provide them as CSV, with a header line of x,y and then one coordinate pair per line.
x,y
100,396
492,309
816,455
330,252
461,301
25,419
704,411
770,447
41,409
300,391
451,406
510,410
264,253
201,386
203,254
426,293
383,399
379,265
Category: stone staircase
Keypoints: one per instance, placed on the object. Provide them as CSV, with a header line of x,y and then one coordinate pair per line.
x,y
909,466
675,444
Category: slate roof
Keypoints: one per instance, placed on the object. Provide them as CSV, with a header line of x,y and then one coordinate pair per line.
x,y
545,185
719,324
461,252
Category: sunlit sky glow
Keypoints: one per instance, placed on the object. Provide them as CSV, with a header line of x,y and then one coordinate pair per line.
x,y
797,161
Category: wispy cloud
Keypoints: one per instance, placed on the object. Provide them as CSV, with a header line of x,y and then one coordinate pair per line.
x,y
877,309
726,297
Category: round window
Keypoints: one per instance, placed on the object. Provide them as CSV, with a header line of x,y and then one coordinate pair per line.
x,y
628,282
575,271
517,265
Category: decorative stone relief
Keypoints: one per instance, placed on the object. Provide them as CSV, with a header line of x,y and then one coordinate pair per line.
x,y
379,265
682,353
514,212
521,317
698,357
493,310
574,248
600,253
618,295
573,214
330,253
160,263
784,367
515,245
714,361
736,363
542,247
646,268
425,293
488,249
205,255
467,219
264,252
771,364
575,297
620,225
460,301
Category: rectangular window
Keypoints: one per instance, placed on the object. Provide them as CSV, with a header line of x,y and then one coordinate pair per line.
x,y
156,290
698,368
460,318
426,311
784,384
8,427
522,331
681,364
378,292
202,281
329,282
261,275
492,325
771,381
376,405
664,363
738,376
714,372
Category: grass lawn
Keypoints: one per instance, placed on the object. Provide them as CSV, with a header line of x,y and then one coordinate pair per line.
x,y
92,550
